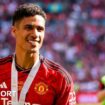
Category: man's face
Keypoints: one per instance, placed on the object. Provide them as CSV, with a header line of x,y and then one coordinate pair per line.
x,y
29,33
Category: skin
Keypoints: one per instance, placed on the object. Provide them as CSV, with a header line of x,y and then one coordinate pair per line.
x,y
29,34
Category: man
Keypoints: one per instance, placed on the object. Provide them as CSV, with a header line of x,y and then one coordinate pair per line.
x,y
27,78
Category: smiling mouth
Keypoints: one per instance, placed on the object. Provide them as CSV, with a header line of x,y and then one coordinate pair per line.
x,y
33,43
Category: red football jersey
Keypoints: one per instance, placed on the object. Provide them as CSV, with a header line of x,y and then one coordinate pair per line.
x,y
51,86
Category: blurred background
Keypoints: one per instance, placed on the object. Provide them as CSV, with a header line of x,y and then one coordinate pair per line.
x,y
75,38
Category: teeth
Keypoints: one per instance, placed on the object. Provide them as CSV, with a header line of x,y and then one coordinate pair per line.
x,y
31,41
34,43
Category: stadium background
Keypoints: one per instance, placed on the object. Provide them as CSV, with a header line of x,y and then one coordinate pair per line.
x,y
75,37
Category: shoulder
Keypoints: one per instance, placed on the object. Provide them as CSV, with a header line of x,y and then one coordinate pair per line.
x,y
55,67
6,60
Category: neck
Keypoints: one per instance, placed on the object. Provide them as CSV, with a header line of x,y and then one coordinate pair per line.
x,y
26,60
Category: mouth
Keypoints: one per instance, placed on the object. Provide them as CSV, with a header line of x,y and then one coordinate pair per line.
x,y
33,42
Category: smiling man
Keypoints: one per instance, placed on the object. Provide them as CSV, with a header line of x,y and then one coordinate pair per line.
x,y
26,77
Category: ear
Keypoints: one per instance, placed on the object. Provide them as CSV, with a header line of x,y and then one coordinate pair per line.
x,y
13,31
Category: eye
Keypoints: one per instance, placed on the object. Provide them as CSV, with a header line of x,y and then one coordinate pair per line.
x,y
40,29
28,27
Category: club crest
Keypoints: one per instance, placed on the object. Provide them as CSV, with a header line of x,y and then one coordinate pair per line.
x,y
41,88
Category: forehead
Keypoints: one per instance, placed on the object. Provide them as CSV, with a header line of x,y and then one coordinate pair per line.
x,y
34,20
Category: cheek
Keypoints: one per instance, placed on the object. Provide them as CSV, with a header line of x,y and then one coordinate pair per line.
x,y
42,38
20,38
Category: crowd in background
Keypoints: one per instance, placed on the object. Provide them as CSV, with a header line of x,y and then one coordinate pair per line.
x,y
75,36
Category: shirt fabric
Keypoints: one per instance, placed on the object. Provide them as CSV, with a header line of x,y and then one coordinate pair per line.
x,y
51,86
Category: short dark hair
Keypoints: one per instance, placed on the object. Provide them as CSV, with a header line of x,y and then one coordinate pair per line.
x,y
26,10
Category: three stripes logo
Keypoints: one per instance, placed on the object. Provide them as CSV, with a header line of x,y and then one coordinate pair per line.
x,y
3,85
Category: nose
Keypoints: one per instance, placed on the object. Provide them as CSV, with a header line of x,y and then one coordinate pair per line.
x,y
35,32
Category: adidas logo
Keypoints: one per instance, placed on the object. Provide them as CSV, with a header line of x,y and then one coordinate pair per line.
x,y
3,85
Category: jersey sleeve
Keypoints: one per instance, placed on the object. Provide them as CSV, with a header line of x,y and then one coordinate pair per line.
x,y
67,94
64,86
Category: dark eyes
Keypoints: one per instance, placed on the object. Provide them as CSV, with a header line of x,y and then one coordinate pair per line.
x,y
40,28
31,27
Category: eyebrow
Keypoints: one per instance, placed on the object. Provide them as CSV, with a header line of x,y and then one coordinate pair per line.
x,y
31,26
